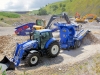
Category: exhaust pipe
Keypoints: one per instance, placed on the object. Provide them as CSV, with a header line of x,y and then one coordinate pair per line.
x,y
6,64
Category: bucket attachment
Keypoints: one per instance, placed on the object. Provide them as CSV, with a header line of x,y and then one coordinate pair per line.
x,y
6,64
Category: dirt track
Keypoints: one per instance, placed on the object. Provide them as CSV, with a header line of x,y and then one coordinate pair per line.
x,y
88,48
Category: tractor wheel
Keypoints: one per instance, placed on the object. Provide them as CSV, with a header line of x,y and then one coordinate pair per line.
x,y
74,47
53,49
32,59
77,43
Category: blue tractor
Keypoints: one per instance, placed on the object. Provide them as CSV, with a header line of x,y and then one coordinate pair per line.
x,y
41,43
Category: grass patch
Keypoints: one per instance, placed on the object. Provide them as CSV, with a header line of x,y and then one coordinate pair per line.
x,y
9,15
72,6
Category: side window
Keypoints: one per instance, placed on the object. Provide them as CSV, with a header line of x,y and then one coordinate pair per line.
x,y
50,35
36,35
43,35
46,35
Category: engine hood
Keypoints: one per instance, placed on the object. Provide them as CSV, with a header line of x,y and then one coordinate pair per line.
x,y
30,44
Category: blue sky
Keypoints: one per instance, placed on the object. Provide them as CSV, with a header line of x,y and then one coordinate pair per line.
x,y
23,5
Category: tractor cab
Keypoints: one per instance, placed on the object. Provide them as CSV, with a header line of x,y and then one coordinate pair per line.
x,y
42,36
40,24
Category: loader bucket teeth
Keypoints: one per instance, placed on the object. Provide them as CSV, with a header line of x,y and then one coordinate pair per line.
x,y
6,62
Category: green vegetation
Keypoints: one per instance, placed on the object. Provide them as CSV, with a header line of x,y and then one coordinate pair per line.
x,y
9,15
8,18
72,6
42,12
3,73
34,12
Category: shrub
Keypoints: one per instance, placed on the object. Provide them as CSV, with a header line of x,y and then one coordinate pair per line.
x,y
63,9
42,11
2,19
55,7
60,4
64,5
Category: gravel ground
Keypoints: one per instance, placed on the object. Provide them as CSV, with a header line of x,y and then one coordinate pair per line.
x,y
89,47
6,31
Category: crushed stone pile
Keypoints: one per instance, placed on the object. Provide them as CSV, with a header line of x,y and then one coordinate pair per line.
x,y
4,41
90,39
8,43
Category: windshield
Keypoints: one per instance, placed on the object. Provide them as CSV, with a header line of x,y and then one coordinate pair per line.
x,y
36,35
40,22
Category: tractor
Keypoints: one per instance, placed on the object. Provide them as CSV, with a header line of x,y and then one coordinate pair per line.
x,y
41,43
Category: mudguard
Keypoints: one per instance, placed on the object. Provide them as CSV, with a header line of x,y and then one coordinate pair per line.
x,y
30,44
49,42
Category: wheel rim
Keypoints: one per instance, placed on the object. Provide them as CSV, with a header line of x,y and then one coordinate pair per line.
x,y
34,60
54,49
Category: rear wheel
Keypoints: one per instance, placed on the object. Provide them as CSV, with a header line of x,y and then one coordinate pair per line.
x,y
32,59
77,43
53,49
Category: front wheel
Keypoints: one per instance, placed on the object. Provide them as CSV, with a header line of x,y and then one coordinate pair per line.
x,y
53,49
32,59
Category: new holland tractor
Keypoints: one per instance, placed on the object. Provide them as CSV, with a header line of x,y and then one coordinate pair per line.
x,y
41,43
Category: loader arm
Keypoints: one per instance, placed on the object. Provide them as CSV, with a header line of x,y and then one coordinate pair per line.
x,y
65,16
53,17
